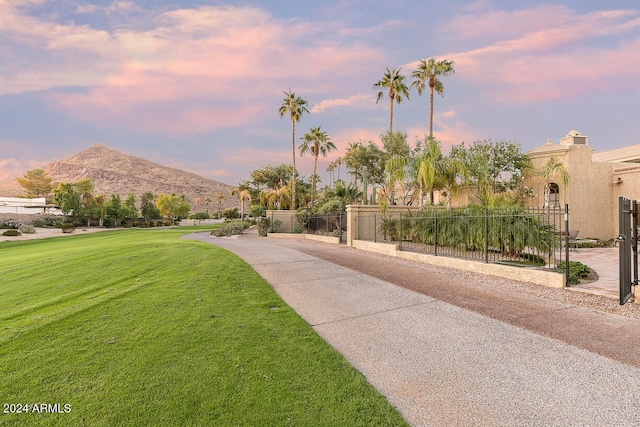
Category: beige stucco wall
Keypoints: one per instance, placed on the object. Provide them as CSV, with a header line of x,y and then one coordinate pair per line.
x,y
540,277
589,193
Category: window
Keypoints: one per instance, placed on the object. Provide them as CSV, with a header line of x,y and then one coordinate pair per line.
x,y
554,195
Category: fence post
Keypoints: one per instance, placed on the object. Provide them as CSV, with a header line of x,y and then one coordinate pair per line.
x,y
566,240
400,231
435,234
375,228
486,235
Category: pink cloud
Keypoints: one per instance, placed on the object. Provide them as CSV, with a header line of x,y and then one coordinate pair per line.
x,y
550,60
221,55
359,101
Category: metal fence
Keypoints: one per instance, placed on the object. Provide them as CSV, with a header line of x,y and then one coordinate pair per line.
x,y
535,237
334,225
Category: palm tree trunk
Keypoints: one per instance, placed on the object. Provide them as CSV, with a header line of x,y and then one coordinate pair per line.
x,y
293,176
431,112
313,180
390,115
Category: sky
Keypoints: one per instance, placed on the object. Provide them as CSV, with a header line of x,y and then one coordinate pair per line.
x,y
197,84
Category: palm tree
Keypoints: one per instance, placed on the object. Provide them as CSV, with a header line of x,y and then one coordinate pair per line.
x,y
428,168
394,82
296,107
427,74
452,174
219,197
278,198
316,142
548,172
242,194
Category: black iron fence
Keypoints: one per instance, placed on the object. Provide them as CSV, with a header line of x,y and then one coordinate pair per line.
x,y
334,225
534,237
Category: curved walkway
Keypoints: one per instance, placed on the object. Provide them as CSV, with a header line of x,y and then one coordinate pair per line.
x,y
454,350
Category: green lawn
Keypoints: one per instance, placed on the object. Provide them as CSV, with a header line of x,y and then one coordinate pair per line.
x,y
138,327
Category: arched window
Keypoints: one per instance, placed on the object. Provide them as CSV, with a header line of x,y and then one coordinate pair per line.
x,y
554,195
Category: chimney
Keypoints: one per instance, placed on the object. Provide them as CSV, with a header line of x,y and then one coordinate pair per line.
x,y
574,138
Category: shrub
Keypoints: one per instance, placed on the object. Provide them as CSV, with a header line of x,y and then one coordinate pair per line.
x,y
68,227
109,222
27,229
228,229
12,224
577,271
200,215
12,232
49,221
167,223
263,226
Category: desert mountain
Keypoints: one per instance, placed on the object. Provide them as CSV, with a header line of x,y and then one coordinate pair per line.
x,y
112,172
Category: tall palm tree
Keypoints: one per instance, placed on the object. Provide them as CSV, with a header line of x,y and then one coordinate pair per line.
x,y
427,73
394,82
316,142
296,107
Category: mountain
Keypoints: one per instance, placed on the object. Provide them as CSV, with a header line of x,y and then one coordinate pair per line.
x,y
112,172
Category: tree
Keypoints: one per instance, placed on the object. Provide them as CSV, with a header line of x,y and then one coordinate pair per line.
x,y
67,197
395,144
452,174
279,198
101,205
429,168
130,210
219,197
270,177
397,89
76,199
114,208
492,167
316,142
360,157
296,107
243,194
36,183
337,198
427,74
548,172
148,209
331,168
172,207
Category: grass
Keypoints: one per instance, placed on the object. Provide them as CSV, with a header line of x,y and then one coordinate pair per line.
x,y
138,327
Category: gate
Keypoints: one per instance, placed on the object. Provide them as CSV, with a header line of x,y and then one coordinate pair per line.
x,y
628,241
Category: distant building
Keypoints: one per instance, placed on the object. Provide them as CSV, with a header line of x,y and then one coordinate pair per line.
x,y
18,205
596,181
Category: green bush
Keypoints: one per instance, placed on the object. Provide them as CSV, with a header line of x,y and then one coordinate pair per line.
x,y
27,229
228,229
577,271
49,221
109,222
68,227
263,226
12,232
12,224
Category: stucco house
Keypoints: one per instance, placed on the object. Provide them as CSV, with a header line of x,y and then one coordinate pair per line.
x,y
596,181
21,206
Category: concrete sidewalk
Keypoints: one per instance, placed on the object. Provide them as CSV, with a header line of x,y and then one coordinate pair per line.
x,y
441,364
